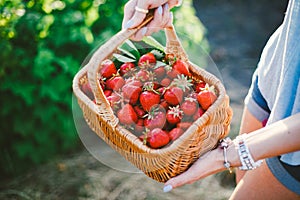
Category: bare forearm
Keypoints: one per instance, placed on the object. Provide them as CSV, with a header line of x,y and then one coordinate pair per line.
x,y
278,138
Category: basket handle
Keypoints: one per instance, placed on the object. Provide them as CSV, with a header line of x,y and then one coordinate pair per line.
x,y
93,66
104,51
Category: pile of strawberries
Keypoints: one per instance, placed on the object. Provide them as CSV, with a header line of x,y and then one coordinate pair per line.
x,y
155,98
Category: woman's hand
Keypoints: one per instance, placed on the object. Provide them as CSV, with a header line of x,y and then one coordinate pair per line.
x,y
208,164
135,12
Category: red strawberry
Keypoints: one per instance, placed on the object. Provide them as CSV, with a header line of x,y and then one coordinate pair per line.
x,y
114,101
86,88
126,67
127,115
174,115
108,69
181,67
147,59
172,73
173,96
206,97
184,125
139,111
175,133
157,138
115,83
164,104
184,83
165,82
131,93
189,106
134,82
155,119
198,113
139,126
107,93
149,99
200,85
159,72
142,75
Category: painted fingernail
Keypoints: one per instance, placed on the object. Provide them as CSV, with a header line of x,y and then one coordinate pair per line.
x,y
166,7
167,188
128,24
171,16
144,30
160,10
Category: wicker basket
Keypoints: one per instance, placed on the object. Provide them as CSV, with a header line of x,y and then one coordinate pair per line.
x,y
159,164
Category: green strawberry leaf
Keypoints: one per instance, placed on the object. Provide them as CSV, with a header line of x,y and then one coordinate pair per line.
x,y
127,53
152,42
131,48
122,58
158,54
159,64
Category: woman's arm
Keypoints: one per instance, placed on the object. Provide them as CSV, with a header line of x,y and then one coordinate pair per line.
x,y
276,139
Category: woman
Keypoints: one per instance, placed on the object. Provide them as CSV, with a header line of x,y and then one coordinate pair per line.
x,y
268,154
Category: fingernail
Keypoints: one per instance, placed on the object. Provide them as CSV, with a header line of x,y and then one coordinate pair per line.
x,y
128,24
167,188
144,30
166,7
160,10
171,16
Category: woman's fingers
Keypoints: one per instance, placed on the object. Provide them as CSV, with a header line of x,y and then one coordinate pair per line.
x,y
162,18
135,11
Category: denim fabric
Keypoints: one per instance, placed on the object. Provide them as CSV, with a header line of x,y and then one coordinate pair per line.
x,y
282,175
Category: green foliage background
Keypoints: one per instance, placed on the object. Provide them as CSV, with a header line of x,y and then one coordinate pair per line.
x,y
43,43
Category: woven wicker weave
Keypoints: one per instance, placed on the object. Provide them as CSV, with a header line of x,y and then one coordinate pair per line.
x,y
159,164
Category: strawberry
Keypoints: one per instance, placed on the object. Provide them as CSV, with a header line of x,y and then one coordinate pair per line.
x,y
163,103
157,138
200,85
184,125
159,72
147,59
114,101
126,67
189,106
107,93
171,73
149,99
108,69
139,126
155,119
181,67
206,97
165,82
174,115
139,111
87,90
183,82
142,75
175,133
170,58
198,113
127,115
173,96
131,93
115,83
134,82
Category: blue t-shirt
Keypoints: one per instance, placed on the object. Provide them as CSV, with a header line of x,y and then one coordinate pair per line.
x,y
277,75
